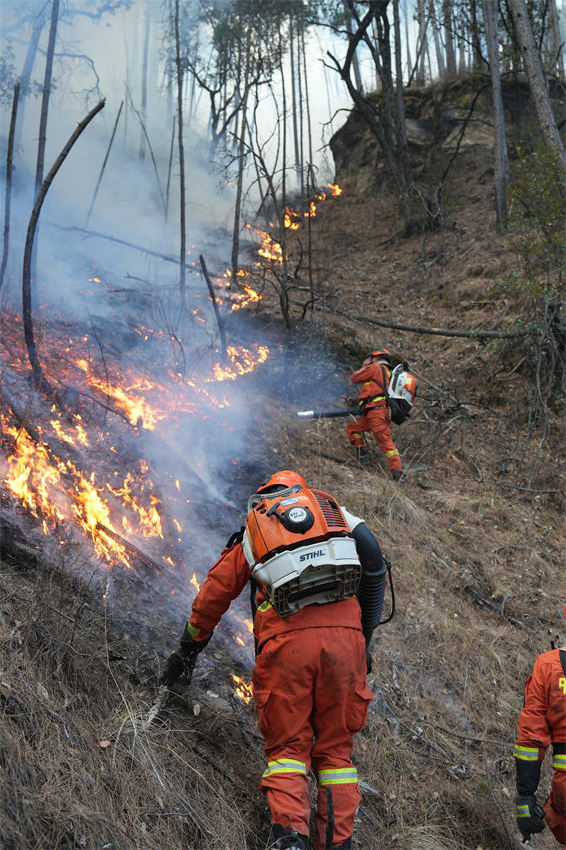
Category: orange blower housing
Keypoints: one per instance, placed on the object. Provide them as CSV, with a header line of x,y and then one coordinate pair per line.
x,y
298,545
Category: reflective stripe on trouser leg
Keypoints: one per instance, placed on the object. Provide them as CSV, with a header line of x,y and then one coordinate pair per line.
x,y
526,753
341,786
378,421
284,765
354,432
338,776
285,785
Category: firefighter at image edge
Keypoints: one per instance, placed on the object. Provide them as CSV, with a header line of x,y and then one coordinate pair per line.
x,y
374,376
312,648
542,722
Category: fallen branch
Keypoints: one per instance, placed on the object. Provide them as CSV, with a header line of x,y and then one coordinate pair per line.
x,y
419,329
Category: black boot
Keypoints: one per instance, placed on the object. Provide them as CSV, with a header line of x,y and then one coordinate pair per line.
x,y
286,839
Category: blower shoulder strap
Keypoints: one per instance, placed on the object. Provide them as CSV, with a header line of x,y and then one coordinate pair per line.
x,y
234,538
562,653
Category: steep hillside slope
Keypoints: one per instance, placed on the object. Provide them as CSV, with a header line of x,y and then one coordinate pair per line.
x,y
475,536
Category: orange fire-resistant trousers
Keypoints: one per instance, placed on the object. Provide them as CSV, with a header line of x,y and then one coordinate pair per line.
x,y
377,421
555,806
311,697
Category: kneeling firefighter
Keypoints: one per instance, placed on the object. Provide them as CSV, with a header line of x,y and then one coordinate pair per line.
x,y
320,580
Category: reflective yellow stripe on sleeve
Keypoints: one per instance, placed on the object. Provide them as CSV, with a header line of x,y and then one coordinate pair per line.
x,y
265,606
559,761
392,452
526,753
192,630
338,776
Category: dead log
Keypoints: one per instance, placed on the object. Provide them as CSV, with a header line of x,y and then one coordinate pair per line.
x,y
419,329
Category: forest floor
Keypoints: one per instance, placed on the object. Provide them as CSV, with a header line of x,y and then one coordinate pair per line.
x,y
475,536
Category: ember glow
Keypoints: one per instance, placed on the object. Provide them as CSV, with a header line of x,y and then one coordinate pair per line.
x,y
242,360
244,690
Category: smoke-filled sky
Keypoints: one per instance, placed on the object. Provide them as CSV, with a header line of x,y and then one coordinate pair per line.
x,y
106,308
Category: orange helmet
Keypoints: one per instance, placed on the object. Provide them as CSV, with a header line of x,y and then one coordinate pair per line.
x,y
384,353
281,480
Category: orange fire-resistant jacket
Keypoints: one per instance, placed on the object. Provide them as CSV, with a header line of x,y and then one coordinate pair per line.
x,y
374,380
226,580
542,722
309,686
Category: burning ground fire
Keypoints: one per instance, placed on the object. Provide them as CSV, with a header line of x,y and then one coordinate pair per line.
x,y
49,464
75,465
270,249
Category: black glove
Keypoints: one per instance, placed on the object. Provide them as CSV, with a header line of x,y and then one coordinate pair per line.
x,y
368,660
530,816
182,660
174,667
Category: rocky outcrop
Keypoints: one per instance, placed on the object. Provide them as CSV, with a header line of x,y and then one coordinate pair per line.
x,y
441,120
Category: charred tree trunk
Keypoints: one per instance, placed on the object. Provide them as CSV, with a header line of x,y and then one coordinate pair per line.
x,y
45,96
145,54
241,164
179,69
37,373
9,170
500,141
535,76
217,314
100,176
25,76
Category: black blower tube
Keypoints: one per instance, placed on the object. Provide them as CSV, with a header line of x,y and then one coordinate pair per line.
x,y
371,590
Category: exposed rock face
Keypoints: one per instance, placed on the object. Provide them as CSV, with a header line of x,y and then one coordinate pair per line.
x,y
440,120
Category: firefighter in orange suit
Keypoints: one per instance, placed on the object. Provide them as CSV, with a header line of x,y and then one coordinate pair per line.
x,y
374,375
542,722
312,637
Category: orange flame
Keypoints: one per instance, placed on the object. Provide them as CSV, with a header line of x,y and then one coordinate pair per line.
x,y
243,360
243,689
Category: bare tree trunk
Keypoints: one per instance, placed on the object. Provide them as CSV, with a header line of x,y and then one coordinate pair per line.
x,y
241,163
310,176
407,39
145,54
355,62
219,318
45,96
37,372
9,170
500,141
25,76
169,167
292,66
182,248
100,176
448,39
399,77
300,123
535,76
556,42
437,45
422,25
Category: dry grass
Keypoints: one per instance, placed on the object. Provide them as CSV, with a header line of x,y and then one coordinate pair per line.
x,y
477,553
